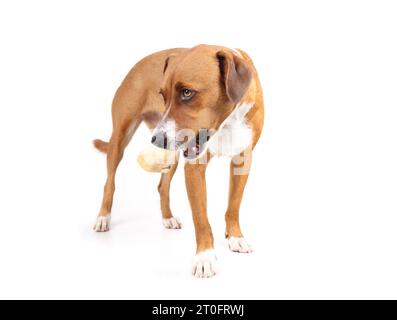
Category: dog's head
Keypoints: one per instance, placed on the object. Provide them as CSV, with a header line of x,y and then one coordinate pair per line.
x,y
200,89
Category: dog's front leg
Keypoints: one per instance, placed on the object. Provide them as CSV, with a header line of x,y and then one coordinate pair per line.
x,y
239,170
205,264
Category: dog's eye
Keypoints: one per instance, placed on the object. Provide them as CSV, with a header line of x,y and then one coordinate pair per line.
x,y
186,94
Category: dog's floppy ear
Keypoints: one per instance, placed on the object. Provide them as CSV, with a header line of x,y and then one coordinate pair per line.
x,y
236,75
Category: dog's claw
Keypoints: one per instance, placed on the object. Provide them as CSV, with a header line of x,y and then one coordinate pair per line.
x,y
172,223
102,224
239,244
205,264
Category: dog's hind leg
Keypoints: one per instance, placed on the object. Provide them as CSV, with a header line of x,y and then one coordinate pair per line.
x,y
151,117
169,221
122,133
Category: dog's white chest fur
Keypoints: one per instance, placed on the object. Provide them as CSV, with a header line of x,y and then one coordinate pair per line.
x,y
234,134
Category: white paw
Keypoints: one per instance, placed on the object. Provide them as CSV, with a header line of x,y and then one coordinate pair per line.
x,y
239,245
205,264
172,223
102,223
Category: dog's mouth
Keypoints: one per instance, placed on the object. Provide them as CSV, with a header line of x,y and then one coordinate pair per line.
x,y
194,148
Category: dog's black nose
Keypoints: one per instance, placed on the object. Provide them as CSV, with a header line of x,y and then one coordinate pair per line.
x,y
160,140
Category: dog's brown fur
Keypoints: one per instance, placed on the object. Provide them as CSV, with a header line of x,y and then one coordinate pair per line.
x,y
212,71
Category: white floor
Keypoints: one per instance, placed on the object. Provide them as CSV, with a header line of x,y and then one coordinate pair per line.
x,y
308,244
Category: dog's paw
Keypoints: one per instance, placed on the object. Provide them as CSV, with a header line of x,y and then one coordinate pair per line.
x,y
172,223
239,244
205,264
102,224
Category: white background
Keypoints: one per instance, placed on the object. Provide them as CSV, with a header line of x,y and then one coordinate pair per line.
x,y
320,206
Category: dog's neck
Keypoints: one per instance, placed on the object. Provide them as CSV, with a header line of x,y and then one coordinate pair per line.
x,y
239,113
234,135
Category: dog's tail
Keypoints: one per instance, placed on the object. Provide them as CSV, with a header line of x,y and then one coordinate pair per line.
x,y
101,145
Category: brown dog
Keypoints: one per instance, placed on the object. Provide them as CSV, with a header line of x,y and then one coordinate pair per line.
x,y
204,101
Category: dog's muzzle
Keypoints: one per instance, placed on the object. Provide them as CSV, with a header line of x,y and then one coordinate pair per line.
x,y
161,140
193,145
164,136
